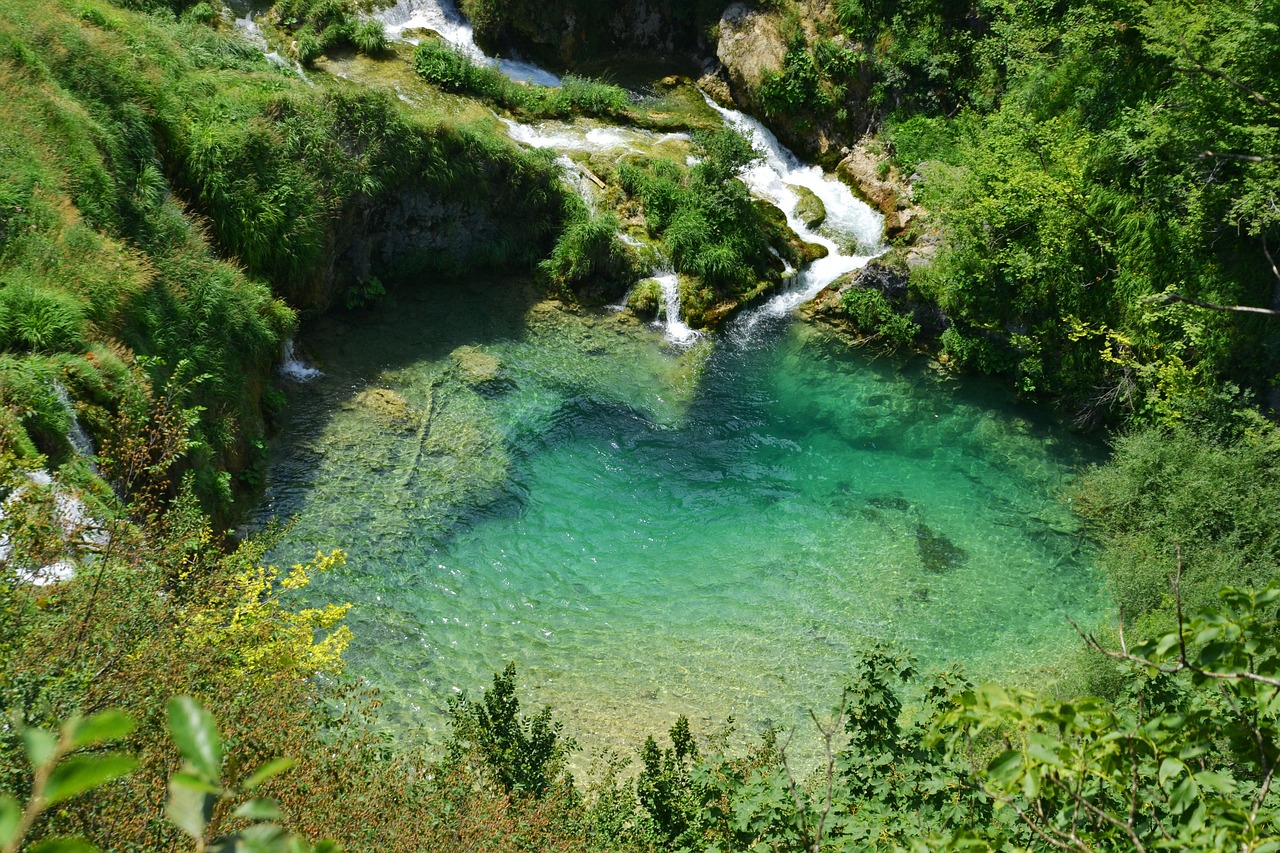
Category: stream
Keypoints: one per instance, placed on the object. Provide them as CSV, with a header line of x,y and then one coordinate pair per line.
x,y
652,522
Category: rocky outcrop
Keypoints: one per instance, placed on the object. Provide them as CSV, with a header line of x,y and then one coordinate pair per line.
x,y
870,174
891,278
750,46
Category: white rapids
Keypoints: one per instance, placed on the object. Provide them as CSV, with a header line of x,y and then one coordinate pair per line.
x,y
442,17
851,233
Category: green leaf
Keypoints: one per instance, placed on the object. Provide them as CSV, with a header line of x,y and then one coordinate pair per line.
x,y
79,773
63,845
266,771
195,783
195,732
41,746
328,845
259,809
100,728
10,817
259,838
1168,768
1004,769
1184,795
189,808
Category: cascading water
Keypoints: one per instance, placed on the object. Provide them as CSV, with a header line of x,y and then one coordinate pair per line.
x,y
445,20
292,365
851,231
252,33
677,331
76,436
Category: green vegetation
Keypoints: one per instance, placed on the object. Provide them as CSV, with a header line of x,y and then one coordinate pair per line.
x,y
170,201
440,64
140,152
320,26
710,227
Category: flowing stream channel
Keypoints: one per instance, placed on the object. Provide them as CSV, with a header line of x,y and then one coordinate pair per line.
x,y
653,523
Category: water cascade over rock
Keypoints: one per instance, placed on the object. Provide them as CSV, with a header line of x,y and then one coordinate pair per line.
x,y
850,230
443,18
292,365
76,436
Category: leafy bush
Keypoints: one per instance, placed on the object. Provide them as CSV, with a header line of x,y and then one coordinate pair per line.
x,y
439,63
525,754
871,313
1167,493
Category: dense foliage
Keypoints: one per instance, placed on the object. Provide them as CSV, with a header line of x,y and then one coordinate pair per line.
x,y
711,230
1103,180
139,154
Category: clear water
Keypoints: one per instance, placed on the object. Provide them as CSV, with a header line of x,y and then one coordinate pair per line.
x,y
649,531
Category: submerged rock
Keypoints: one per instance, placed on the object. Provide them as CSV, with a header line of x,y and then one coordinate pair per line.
x,y
389,407
937,552
475,366
890,502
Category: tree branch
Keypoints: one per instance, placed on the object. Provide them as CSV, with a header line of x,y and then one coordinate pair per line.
x,y
1169,296
1246,158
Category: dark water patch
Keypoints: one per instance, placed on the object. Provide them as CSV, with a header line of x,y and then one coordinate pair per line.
x,y
889,502
937,552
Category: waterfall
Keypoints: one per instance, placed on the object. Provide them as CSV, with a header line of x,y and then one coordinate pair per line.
x,y
292,365
76,436
575,177
443,18
669,320
851,232
252,33
677,331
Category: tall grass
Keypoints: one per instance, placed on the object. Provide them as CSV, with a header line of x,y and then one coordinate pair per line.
x,y
440,64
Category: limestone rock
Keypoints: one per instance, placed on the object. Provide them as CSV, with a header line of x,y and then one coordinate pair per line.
x,y
386,405
810,209
861,169
750,45
475,366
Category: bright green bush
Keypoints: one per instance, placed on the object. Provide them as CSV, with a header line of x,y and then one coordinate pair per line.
x,y
873,315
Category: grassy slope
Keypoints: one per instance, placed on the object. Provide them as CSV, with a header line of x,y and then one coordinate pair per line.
x,y
169,193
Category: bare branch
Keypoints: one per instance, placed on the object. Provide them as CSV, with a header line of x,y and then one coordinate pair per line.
x,y
1245,158
1170,296
1219,74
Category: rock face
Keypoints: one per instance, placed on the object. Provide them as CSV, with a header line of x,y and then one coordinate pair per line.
x,y
891,278
567,32
869,175
750,45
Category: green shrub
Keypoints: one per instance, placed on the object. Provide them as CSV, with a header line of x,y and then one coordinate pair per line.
x,y
526,754
201,13
369,37
872,314
589,252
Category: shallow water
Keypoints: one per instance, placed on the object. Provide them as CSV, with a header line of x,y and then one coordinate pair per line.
x,y
649,531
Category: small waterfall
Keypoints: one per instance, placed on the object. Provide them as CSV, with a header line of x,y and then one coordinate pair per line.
x,y
252,33
443,18
292,365
78,438
576,177
677,331
587,135
851,232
